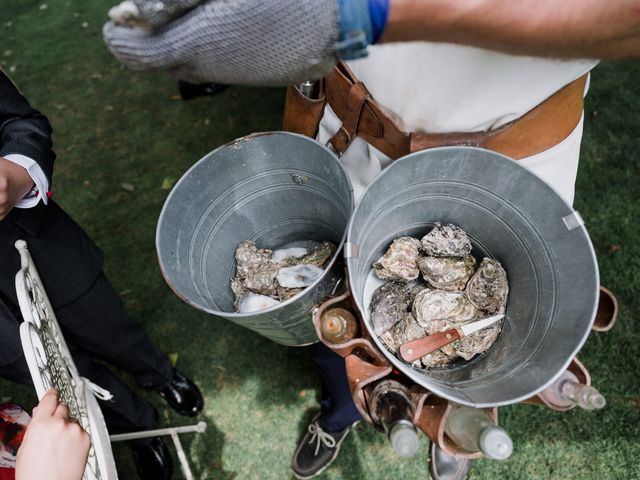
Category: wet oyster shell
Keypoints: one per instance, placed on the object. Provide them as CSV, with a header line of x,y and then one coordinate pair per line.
x,y
390,302
488,287
290,254
298,276
249,257
285,294
433,305
436,359
253,302
318,256
478,342
238,289
447,273
261,279
399,263
446,241
404,331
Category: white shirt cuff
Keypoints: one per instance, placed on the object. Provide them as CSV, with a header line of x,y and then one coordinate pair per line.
x,y
41,188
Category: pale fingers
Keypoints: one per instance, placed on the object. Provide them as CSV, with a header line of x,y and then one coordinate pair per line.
x,y
47,406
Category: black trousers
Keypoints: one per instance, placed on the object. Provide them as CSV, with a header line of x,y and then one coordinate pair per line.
x,y
97,326
336,403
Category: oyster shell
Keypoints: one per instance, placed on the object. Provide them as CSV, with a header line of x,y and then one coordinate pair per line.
x,y
289,254
318,256
390,302
285,294
488,287
446,241
249,257
432,305
404,331
399,263
407,329
253,302
478,342
436,359
298,276
238,289
447,273
261,279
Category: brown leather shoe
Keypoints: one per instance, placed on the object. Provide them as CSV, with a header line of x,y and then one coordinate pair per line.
x,y
446,467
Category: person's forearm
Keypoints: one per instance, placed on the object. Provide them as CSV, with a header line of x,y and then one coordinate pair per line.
x,y
551,28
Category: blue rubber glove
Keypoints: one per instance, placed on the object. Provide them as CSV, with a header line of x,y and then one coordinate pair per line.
x,y
253,42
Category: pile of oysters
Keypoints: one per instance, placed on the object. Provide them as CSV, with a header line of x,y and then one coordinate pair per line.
x,y
452,292
264,277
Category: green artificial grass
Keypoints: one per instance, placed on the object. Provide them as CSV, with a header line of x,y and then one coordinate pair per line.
x,y
115,127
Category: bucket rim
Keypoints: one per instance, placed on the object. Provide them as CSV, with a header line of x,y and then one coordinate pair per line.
x,y
335,258
410,371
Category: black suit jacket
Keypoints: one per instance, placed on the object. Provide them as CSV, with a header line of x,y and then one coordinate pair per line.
x,y
66,258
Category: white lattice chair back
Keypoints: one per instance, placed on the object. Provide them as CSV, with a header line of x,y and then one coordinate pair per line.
x,y
51,366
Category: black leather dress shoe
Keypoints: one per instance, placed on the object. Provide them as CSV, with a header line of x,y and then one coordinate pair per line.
x,y
182,395
190,91
153,461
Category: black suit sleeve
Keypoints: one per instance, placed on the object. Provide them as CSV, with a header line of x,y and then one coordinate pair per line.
x,y
23,129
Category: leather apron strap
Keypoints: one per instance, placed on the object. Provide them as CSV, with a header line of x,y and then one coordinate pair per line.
x,y
539,129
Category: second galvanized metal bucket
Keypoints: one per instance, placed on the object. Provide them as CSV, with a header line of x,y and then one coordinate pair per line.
x,y
511,215
273,188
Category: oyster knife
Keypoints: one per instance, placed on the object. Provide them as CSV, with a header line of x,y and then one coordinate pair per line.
x,y
416,349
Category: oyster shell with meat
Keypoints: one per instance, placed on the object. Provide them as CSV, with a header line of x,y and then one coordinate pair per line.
x,y
446,240
488,287
447,273
399,263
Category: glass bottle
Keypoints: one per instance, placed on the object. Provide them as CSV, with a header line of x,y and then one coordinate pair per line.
x,y
391,409
567,391
473,430
338,325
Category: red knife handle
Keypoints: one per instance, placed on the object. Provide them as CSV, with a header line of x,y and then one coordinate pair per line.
x,y
416,349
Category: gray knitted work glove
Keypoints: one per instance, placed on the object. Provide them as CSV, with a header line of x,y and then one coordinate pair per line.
x,y
249,42
150,13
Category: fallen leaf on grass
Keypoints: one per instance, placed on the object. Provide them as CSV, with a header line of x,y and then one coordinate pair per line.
x,y
614,248
173,358
168,182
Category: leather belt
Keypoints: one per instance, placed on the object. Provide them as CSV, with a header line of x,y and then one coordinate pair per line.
x,y
541,128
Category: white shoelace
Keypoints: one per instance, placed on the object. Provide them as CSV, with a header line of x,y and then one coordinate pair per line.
x,y
320,436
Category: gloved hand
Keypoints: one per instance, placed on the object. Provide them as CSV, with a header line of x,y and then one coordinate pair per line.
x,y
253,42
150,13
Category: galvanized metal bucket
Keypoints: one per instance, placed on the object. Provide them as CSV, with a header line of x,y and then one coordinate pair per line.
x,y
273,188
511,215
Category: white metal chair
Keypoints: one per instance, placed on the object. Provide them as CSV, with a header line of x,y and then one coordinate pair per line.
x,y
51,366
